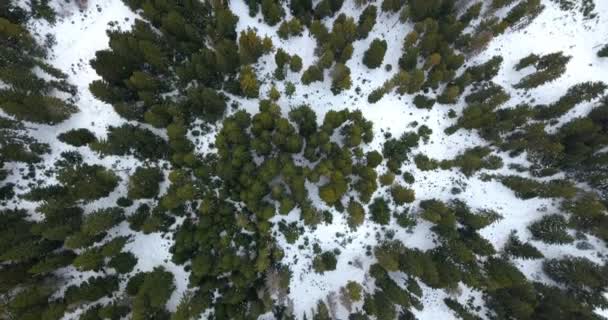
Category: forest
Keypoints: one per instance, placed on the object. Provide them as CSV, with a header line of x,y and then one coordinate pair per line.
x,y
299,159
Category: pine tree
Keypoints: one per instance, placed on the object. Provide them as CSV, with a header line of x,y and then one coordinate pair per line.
x,y
366,22
249,82
340,78
374,55
252,47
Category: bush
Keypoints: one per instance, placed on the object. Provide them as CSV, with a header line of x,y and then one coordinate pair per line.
x,y
603,52
101,220
551,229
77,137
290,28
88,182
374,55
132,140
387,178
423,102
340,78
123,262
425,163
312,74
520,249
249,83
324,262
380,211
548,68
272,11
144,183
295,63
367,20
402,195
356,214
354,290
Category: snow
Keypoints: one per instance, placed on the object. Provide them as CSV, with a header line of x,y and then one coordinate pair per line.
x,y
80,34
553,30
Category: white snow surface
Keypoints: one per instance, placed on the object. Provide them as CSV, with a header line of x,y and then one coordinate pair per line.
x,y
80,34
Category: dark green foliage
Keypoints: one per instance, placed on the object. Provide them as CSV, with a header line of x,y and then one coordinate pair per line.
x,y
151,294
392,5
423,102
380,305
576,94
603,52
272,11
305,118
144,183
27,93
519,249
584,279
92,289
551,229
527,9
88,182
373,158
356,214
35,108
206,103
396,150
340,78
374,55
367,20
252,47
327,8
388,255
289,28
425,163
324,262
77,137
380,211
489,94
132,140
32,303
101,220
312,74
460,310
527,188
52,263
123,262
473,160
588,214
402,194
421,9
17,145
548,68
291,231
89,260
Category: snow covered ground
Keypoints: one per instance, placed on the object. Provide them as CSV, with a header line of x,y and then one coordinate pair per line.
x,y
80,34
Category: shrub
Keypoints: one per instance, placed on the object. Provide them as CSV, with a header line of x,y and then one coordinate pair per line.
x,y
551,229
374,55
603,52
77,137
312,74
380,211
325,262
144,183
402,195
423,102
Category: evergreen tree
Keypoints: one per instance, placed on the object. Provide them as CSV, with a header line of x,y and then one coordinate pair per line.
x,y
144,183
249,83
374,55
